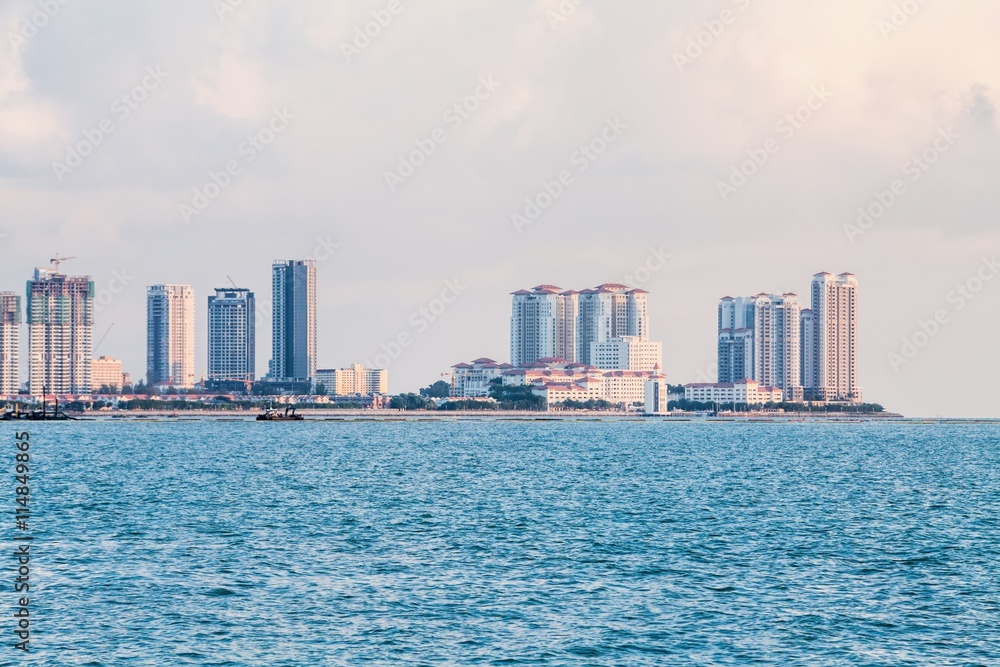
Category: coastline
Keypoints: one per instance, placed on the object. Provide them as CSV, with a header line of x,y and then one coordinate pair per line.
x,y
390,416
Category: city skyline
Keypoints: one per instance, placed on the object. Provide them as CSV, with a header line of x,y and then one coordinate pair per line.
x,y
886,182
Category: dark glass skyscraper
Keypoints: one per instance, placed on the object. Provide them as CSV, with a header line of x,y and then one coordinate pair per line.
x,y
294,320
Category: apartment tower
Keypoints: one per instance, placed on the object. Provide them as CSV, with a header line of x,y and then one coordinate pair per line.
x,y
832,354
60,333
10,336
170,313
294,321
232,336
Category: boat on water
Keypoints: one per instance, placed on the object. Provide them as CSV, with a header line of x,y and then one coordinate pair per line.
x,y
289,415
43,415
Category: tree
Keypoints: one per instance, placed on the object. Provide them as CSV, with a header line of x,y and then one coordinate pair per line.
x,y
439,389
320,389
517,398
409,402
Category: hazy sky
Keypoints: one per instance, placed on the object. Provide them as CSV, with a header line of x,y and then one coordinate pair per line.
x,y
184,85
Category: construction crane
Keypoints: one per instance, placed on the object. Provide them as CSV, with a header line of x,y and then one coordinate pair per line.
x,y
57,260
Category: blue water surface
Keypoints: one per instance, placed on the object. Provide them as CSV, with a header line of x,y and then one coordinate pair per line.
x,y
512,543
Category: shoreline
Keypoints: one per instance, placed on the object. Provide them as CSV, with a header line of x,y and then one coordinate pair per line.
x,y
389,416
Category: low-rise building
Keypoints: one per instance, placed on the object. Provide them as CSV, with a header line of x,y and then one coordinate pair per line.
x,y
354,381
748,392
657,394
628,353
474,380
107,372
558,380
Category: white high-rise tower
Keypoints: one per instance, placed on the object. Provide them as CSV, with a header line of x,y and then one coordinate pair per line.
x,y
832,352
170,336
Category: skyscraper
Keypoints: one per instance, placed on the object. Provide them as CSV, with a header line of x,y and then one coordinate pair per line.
x,y
294,321
778,344
543,325
232,336
832,355
736,340
607,326
609,312
60,333
760,339
10,335
170,336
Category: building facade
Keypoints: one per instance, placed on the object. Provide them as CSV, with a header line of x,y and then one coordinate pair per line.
x,y
746,392
736,342
608,324
10,343
543,324
232,341
760,339
657,395
107,372
293,355
354,381
778,344
608,312
628,353
475,379
170,351
832,353
60,333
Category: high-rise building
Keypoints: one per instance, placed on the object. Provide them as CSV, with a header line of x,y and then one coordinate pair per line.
x,y
107,372
170,336
808,365
543,325
778,344
60,333
760,339
736,340
605,325
10,336
232,336
294,321
608,312
832,354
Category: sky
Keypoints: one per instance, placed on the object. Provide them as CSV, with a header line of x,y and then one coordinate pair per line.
x,y
434,156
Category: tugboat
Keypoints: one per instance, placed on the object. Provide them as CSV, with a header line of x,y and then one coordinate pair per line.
x,y
275,416
43,415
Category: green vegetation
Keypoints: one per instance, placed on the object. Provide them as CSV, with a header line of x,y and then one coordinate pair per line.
x,y
516,398
410,402
439,389
592,404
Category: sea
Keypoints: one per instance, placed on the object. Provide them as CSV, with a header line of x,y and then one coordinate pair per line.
x,y
505,542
